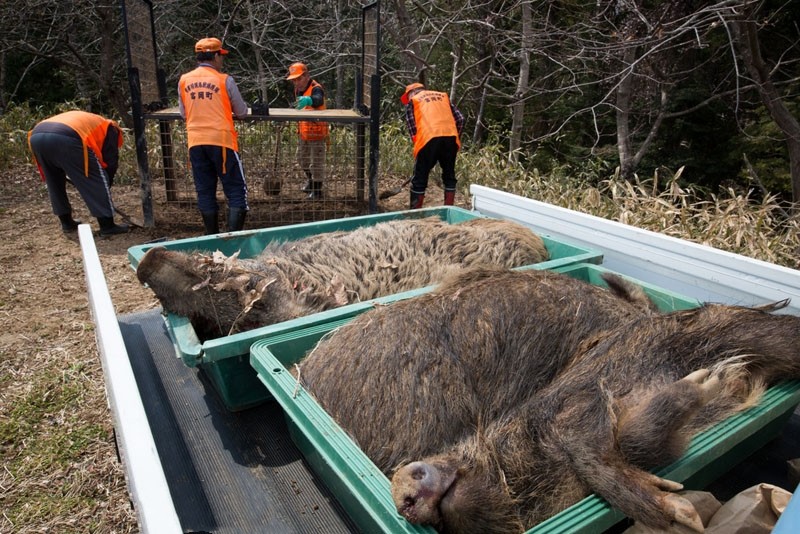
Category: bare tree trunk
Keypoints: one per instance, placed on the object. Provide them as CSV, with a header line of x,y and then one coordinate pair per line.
x,y
745,34
2,82
480,129
624,93
457,54
261,80
407,36
518,106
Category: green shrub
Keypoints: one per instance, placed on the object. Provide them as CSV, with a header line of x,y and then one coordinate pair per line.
x,y
15,124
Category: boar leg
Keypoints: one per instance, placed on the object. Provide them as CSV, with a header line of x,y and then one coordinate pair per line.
x,y
650,426
638,494
647,424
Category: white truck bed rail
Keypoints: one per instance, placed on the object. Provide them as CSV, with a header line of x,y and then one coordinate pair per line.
x,y
702,272
147,485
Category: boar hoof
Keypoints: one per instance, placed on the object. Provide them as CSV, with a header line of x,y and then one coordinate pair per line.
x,y
698,376
682,511
707,387
666,485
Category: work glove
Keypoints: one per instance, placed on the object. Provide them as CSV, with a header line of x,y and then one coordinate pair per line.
x,y
303,101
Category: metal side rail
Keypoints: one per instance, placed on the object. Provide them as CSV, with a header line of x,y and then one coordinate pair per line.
x,y
691,269
147,484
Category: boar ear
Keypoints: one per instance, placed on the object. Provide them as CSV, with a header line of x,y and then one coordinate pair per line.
x,y
773,306
629,291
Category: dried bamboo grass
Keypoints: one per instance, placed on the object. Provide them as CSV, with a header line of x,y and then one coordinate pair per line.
x,y
732,220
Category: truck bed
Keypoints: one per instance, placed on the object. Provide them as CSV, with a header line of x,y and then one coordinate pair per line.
x,y
238,472
193,466
227,472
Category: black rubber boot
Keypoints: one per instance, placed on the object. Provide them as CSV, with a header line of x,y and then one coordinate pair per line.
x,y
210,221
417,199
236,217
107,226
449,197
316,191
68,224
309,183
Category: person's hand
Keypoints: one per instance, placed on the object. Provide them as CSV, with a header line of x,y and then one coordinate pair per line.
x,y
303,101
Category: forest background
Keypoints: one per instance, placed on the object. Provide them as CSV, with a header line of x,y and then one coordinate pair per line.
x,y
572,87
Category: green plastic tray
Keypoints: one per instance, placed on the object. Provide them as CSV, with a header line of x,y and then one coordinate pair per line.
x,y
224,360
364,491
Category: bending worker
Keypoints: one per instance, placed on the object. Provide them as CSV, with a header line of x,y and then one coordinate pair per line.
x,y
83,148
434,125
313,141
209,99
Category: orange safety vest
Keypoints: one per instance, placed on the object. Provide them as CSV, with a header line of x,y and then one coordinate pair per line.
x,y
92,130
209,116
313,131
434,118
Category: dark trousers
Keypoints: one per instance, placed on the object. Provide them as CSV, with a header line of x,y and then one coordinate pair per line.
x,y
441,150
61,157
207,168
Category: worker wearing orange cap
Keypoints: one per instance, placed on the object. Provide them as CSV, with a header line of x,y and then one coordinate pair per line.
x,y
209,99
313,141
434,125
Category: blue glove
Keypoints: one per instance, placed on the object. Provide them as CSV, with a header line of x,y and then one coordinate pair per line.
x,y
303,101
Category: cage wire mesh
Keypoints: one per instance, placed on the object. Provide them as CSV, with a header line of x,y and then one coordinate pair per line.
x,y
138,19
267,147
370,52
275,180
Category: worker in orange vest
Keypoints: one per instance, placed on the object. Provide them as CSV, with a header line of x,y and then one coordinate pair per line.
x,y
83,148
434,125
209,99
312,146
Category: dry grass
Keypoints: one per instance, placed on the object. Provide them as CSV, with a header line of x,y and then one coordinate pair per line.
x,y
60,472
733,221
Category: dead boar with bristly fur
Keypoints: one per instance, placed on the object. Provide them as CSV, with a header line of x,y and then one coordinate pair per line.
x,y
222,295
626,403
407,379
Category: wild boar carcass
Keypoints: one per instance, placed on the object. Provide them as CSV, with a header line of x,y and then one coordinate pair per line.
x,y
625,404
222,295
406,380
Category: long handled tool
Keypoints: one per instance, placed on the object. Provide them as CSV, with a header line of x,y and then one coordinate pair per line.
x,y
396,191
126,218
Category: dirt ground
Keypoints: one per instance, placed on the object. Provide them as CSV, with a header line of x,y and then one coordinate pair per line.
x,y
60,468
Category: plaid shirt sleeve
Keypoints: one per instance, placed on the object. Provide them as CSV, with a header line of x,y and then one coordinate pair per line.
x,y
459,118
411,122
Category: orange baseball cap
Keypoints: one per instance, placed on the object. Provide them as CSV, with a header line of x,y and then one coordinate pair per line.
x,y
409,88
296,70
210,44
